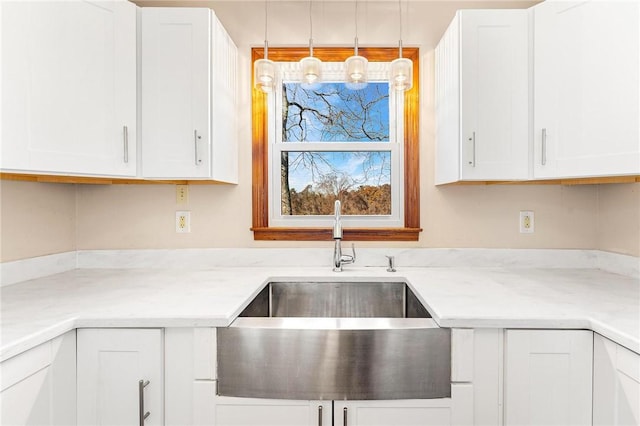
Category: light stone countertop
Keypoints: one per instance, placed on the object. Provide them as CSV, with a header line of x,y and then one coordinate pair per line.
x,y
35,311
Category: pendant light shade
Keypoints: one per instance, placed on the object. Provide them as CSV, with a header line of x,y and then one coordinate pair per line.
x,y
264,77
401,73
311,67
356,66
356,74
311,72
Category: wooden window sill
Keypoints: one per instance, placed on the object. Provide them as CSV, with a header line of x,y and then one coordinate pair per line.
x,y
325,234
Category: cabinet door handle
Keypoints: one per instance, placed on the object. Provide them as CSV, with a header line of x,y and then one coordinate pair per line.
x,y
319,415
473,149
196,137
544,147
143,415
344,416
125,137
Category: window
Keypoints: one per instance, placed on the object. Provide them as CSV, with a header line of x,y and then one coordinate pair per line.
x,y
314,145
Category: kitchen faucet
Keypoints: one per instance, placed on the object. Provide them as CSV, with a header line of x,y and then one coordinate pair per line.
x,y
340,259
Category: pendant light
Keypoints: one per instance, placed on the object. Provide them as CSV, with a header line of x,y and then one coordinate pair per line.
x,y
401,68
356,66
265,69
311,67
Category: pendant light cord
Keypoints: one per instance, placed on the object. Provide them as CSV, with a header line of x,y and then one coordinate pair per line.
x,y
400,27
356,50
266,45
310,29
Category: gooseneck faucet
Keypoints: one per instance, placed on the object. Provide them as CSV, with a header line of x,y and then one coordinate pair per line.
x,y
340,259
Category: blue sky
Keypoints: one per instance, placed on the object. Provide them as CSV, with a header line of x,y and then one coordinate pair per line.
x,y
345,108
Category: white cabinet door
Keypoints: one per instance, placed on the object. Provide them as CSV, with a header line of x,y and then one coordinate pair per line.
x,y
176,92
69,81
111,363
419,412
586,88
271,412
548,377
616,384
38,386
482,98
494,77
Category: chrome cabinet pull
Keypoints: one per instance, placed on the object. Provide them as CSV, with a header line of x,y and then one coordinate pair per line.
x,y
143,415
319,415
473,150
125,136
344,416
544,147
196,137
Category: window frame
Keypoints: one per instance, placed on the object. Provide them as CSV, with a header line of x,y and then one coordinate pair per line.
x,y
260,154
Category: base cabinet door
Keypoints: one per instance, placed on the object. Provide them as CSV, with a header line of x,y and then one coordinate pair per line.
x,y
616,384
271,412
426,412
548,377
120,377
37,386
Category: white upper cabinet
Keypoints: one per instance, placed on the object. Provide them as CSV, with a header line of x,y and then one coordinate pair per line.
x,y
69,87
586,88
482,100
188,79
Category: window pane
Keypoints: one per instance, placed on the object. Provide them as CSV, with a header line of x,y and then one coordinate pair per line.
x,y
333,113
312,181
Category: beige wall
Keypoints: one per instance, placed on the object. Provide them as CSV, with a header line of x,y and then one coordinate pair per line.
x,y
619,218
36,219
142,216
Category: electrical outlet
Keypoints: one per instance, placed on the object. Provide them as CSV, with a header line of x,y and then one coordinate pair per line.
x,y
182,194
526,222
183,222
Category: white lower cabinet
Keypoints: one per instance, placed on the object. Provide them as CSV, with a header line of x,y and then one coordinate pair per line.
x,y
271,412
275,412
111,365
548,377
37,387
616,384
418,412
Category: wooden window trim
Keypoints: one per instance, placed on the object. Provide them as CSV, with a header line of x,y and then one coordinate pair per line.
x,y
260,188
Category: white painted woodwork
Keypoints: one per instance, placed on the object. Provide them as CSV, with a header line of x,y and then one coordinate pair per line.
x,y
462,406
415,412
204,353
548,377
270,412
38,386
616,384
488,368
69,87
190,372
111,362
587,88
462,355
188,80
482,97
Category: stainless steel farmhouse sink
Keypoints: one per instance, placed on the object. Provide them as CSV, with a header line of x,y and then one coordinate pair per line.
x,y
335,340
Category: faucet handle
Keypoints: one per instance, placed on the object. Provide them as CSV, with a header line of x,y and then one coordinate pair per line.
x,y
350,258
392,264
